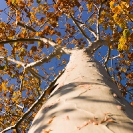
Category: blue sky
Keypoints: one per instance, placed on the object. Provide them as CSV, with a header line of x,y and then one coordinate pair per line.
x,y
2,7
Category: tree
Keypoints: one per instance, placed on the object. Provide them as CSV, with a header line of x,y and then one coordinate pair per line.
x,y
83,97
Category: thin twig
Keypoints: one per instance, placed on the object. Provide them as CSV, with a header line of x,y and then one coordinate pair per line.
x,y
106,60
107,57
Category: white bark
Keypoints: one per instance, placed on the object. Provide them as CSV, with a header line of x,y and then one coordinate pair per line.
x,y
85,92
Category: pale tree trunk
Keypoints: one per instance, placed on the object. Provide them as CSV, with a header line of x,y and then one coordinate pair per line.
x,y
85,101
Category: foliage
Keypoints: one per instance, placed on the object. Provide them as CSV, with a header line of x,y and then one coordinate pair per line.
x,y
64,24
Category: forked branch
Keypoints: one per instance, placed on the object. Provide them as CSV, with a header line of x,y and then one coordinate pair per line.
x,y
80,29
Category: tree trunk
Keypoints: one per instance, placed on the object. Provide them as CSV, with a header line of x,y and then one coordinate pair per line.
x,y
85,101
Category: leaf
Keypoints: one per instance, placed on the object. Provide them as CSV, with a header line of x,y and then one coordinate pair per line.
x,y
122,44
2,67
112,4
117,9
89,6
38,1
58,57
123,69
58,40
4,86
126,33
131,103
8,2
14,2
1,46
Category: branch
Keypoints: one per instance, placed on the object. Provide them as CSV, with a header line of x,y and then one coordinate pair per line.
x,y
90,16
106,60
96,45
20,40
45,59
48,90
98,16
114,57
12,60
25,26
88,27
9,128
45,40
108,55
97,23
80,29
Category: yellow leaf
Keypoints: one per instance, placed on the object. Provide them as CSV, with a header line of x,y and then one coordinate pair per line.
x,y
115,17
112,4
89,6
126,33
122,44
4,86
58,57
123,69
21,77
15,2
124,5
122,40
18,66
10,37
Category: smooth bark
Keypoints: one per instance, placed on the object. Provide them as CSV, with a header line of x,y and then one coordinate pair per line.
x,y
85,101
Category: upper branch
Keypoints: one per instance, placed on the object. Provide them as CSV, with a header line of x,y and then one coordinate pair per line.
x,y
58,51
12,60
97,22
45,40
80,29
95,45
88,27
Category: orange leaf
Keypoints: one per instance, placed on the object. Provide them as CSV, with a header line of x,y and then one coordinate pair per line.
x,y
46,27
131,103
1,46
47,131
58,40
4,86
8,2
